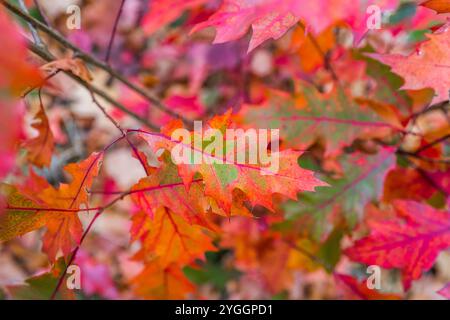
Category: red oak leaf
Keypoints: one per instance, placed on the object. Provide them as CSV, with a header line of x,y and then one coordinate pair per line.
x,y
410,242
406,183
269,19
221,177
428,67
273,18
164,12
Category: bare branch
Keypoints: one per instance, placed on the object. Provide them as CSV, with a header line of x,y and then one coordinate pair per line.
x,y
156,102
93,89
37,39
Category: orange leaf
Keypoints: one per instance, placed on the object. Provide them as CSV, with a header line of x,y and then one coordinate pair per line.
x,y
428,67
406,183
170,238
440,6
40,148
38,204
74,65
16,73
258,182
156,282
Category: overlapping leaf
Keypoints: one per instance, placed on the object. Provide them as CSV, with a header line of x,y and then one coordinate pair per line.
x,y
272,19
157,282
38,204
40,148
164,12
222,177
410,242
427,67
168,237
362,182
313,115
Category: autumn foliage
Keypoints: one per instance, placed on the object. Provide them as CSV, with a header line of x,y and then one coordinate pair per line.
x,y
86,150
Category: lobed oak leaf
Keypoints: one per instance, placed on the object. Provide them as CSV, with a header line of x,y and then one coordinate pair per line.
x,y
157,282
164,12
17,222
360,182
272,18
170,238
55,208
353,289
40,148
221,176
410,242
312,115
164,188
269,19
425,68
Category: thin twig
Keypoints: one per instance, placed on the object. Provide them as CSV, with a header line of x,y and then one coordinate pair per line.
x,y
107,115
156,102
74,255
49,58
88,229
37,39
113,34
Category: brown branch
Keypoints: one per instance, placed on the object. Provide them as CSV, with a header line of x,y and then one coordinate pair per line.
x,y
156,102
47,56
